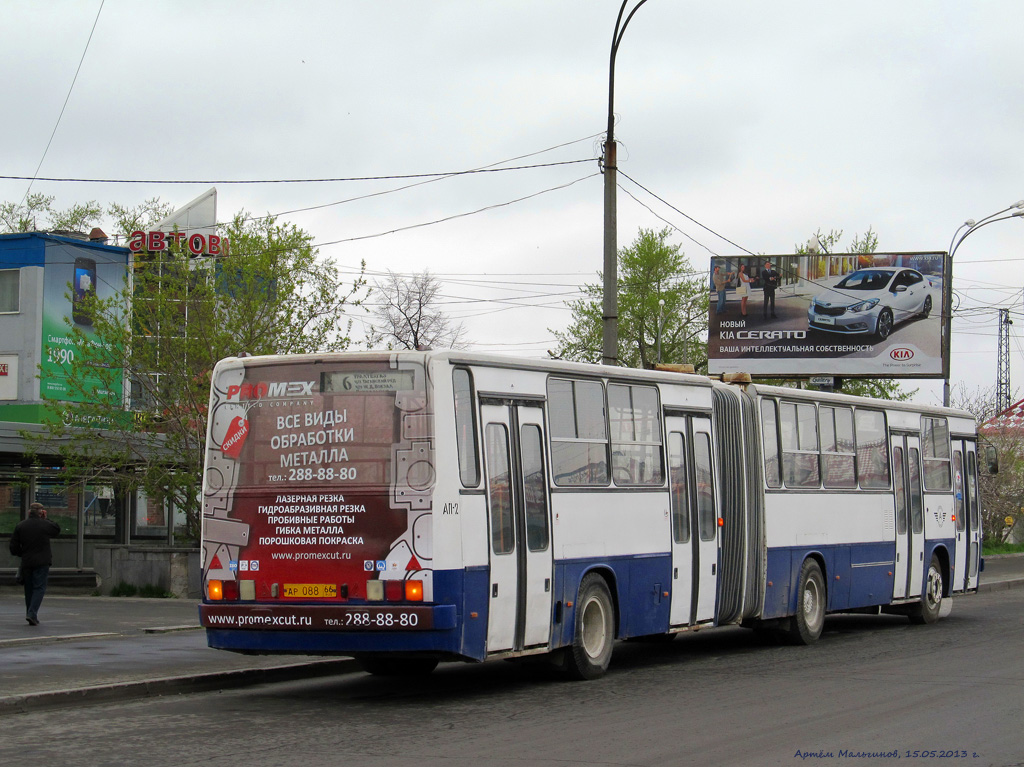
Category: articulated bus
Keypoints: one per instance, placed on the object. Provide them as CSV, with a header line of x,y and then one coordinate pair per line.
x,y
406,508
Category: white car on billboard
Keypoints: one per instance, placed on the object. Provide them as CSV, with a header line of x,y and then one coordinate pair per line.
x,y
871,301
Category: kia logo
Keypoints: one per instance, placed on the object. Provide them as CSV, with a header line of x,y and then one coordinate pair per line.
x,y
901,354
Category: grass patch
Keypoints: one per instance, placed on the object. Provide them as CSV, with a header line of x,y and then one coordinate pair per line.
x,y
148,591
988,549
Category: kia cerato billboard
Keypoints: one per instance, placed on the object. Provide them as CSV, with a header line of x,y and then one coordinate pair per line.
x,y
872,315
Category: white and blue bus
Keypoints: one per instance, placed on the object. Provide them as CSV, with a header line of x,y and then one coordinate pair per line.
x,y
406,508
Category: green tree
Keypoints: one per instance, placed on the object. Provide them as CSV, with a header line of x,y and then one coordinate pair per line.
x,y
36,213
163,332
650,270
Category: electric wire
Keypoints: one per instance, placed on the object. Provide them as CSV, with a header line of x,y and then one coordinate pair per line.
x,y
35,176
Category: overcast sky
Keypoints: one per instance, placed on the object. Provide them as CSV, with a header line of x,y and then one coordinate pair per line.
x,y
762,121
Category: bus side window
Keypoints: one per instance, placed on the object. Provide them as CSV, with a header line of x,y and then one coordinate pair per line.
x,y
499,482
837,447
914,483
958,490
800,445
535,488
900,489
635,418
935,446
972,491
679,494
770,443
465,428
579,439
706,517
872,465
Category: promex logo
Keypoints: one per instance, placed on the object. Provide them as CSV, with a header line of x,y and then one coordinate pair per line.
x,y
276,390
902,354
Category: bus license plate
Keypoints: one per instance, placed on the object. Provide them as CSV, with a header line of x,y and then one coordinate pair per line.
x,y
311,590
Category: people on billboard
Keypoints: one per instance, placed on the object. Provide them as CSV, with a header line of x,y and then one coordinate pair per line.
x,y
743,288
769,281
721,280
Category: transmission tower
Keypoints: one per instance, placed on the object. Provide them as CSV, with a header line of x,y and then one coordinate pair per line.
x,y
1003,362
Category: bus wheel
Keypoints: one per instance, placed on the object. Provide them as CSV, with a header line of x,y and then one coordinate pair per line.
x,y
385,666
809,620
591,649
931,600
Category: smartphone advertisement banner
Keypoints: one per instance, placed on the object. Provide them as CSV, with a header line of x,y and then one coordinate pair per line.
x,y
852,315
72,276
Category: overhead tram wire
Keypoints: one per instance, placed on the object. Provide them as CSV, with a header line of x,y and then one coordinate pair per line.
x,y
454,216
686,216
35,176
662,218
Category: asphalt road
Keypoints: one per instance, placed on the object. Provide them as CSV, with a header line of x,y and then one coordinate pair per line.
x,y
872,684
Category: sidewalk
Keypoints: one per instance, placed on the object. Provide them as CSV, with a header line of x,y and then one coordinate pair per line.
x,y
104,648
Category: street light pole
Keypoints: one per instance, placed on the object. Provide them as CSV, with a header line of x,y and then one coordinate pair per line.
x,y
661,325
965,229
610,316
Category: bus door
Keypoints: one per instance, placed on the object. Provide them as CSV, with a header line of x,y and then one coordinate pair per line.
x,y
694,521
973,503
519,612
909,566
960,517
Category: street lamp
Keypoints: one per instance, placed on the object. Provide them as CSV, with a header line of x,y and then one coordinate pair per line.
x,y
610,317
966,228
661,325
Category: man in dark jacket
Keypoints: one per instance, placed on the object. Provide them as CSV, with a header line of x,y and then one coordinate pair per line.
x,y
31,542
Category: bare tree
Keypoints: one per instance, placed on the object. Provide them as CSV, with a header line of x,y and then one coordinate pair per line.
x,y
408,317
1002,494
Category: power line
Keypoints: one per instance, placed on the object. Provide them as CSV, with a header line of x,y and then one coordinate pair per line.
x,y
688,217
67,98
398,177
454,216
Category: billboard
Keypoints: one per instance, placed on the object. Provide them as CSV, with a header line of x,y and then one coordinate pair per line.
x,y
871,315
72,274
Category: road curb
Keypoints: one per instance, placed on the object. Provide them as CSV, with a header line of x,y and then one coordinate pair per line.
x,y
174,685
1010,583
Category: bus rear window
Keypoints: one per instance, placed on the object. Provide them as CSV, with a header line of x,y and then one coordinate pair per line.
x,y
301,424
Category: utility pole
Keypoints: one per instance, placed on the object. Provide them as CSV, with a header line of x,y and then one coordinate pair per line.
x,y
1003,362
610,306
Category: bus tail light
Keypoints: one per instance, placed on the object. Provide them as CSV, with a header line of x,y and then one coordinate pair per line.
x,y
394,591
375,591
414,591
215,590
230,591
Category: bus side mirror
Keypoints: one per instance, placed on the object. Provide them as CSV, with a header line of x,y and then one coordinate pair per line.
x,y
992,459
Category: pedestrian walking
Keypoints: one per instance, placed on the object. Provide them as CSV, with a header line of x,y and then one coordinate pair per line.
x,y
31,541
769,281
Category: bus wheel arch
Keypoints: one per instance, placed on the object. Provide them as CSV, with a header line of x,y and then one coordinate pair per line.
x,y
594,628
811,603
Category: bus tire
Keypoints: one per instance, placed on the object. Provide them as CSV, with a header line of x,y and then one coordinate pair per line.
x,y
385,666
811,599
927,611
591,650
